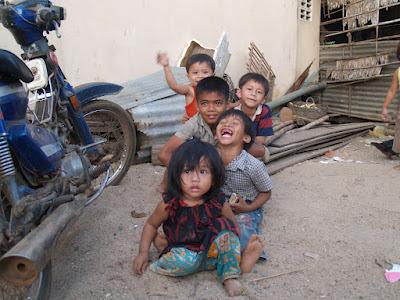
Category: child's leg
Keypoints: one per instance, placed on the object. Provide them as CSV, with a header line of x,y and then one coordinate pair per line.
x,y
160,242
251,254
178,262
249,224
224,255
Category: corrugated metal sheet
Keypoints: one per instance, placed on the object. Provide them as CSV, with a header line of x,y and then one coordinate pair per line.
x,y
156,109
148,88
363,99
158,120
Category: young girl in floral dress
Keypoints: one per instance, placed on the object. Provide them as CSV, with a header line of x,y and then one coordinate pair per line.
x,y
199,226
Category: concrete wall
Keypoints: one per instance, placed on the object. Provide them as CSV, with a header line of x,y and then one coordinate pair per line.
x,y
118,41
308,41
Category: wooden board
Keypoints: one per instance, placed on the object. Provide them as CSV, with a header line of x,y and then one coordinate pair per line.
x,y
281,164
288,139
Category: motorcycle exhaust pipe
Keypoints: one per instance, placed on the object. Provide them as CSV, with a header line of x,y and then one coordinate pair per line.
x,y
22,264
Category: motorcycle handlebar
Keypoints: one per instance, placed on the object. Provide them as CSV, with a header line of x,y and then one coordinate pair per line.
x,y
48,15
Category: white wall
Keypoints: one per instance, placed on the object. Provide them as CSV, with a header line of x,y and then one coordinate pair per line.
x,y
117,40
308,41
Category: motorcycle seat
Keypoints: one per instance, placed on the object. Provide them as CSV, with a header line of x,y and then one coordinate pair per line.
x,y
13,68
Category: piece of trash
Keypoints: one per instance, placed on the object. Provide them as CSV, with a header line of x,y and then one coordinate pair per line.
x,y
378,131
137,215
330,154
108,295
135,226
393,274
311,255
336,159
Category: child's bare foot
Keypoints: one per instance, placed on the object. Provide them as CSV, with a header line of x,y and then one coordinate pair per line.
x,y
251,254
160,242
233,287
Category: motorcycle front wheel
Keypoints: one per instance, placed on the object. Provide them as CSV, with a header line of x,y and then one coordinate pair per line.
x,y
38,290
109,121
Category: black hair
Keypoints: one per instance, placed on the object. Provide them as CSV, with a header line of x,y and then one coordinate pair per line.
x,y
187,157
398,51
200,58
248,124
212,84
255,77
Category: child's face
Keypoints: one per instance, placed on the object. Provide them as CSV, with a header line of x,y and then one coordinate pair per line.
x,y
195,183
251,94
198,71
211,106
230,131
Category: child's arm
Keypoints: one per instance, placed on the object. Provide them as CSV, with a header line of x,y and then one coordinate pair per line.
x,y
257,149
242,206
264,129
182,89
228,213
149,232
170,146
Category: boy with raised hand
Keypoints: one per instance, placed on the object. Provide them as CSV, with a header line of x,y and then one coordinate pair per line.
x,y
198,66
247,183
253,88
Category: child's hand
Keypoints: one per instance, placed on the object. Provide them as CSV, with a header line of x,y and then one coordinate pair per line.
x,y
162,59
185,118
140,263
241,206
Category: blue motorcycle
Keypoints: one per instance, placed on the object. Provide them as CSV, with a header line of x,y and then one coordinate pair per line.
x,y
59,147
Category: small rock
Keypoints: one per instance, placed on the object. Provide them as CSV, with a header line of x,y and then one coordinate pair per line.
x,y
311,255
108,295
137,215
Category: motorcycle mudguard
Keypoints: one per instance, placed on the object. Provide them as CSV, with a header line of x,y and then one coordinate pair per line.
x,y
91,91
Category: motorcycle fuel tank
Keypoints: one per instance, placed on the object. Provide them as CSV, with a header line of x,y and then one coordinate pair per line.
x,y
36,148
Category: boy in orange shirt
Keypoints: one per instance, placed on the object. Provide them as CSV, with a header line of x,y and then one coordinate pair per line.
x,y
198,66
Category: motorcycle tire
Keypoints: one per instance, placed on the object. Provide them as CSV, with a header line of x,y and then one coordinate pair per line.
x,y
110,121
39,290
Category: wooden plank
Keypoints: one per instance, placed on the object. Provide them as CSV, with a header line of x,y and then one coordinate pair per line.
x,y
281,164
155,149
278,134
288,139
310,125
276,127
313,141
315,144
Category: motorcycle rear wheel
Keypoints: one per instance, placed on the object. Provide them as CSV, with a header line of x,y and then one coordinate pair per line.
x,y
38,290
109,121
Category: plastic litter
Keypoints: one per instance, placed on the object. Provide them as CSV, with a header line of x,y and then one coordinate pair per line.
x,y
393,274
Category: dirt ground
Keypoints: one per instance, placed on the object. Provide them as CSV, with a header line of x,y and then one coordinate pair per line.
x,y
324,227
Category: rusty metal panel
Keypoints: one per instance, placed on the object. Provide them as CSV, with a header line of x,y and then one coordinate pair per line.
x,y
157,121
361,99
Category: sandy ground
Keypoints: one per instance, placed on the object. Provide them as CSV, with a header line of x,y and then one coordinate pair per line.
x,y
329,222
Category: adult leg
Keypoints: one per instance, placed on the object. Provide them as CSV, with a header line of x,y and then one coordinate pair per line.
x,y
396,143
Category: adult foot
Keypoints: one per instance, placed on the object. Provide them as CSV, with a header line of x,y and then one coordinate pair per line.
x,y
160,242
251,254
233,287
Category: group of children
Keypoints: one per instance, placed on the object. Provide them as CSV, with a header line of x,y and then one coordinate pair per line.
x,y
212,206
